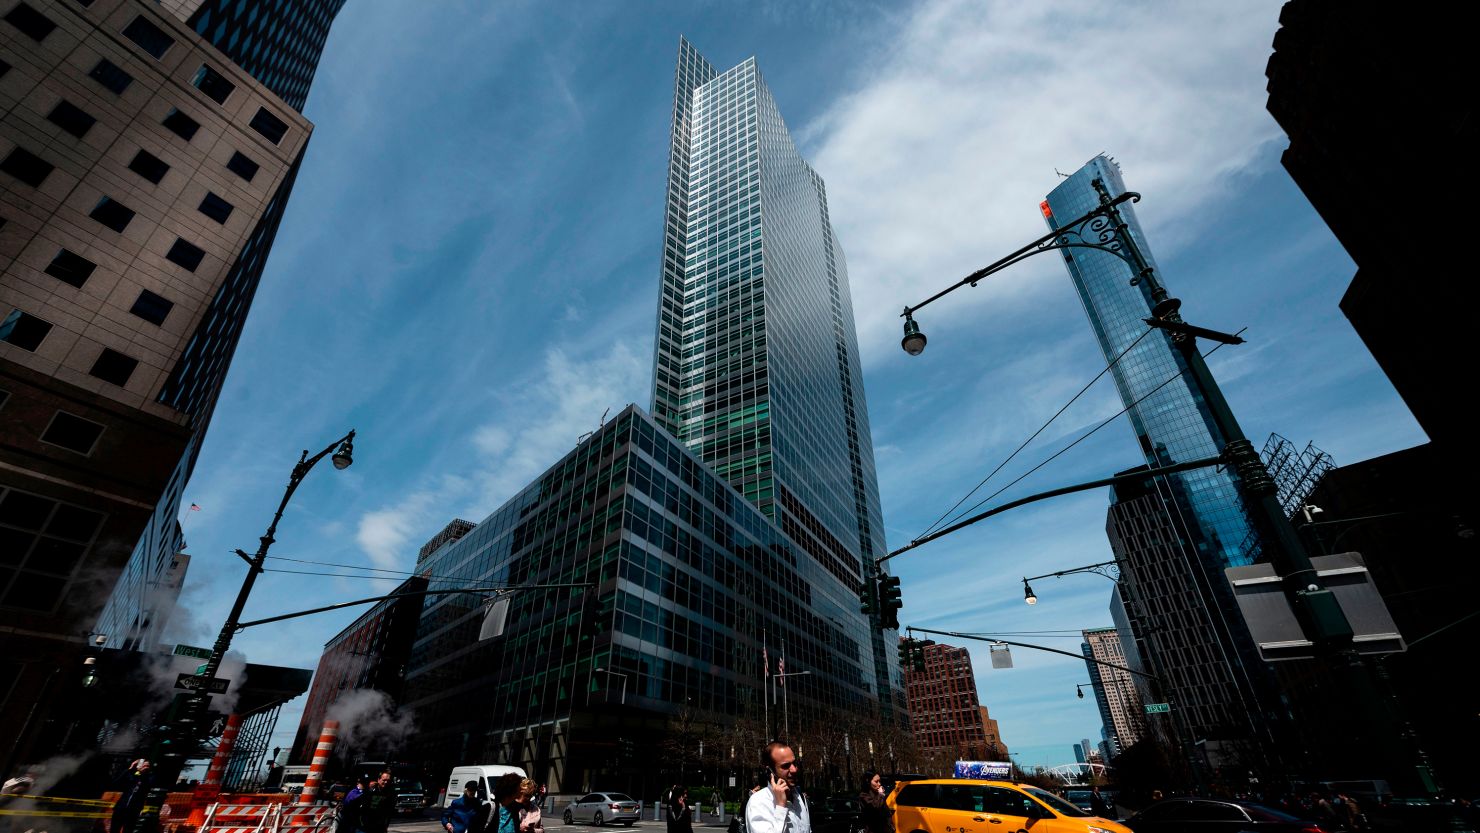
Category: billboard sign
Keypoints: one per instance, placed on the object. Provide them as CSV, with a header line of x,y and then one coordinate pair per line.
x,y
989,770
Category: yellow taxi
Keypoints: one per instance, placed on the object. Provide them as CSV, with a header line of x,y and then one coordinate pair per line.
x,y
955,805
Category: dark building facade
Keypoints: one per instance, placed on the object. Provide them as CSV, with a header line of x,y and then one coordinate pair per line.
x,y
1416,534
372,652
144,177
691,583
1370,96
946,715
1178,621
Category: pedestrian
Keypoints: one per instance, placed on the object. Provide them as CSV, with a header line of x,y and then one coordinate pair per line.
x,y
1350,813
135,786
349,808
467,813
1098,806
679,814
374,807
877,816
780,807
540,796
531,818
508,809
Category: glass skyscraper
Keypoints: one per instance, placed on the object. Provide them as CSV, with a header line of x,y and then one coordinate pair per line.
x,y
756,365
1172,424
735,524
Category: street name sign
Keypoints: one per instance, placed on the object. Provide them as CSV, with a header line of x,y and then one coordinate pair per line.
x,y
183,650
191,682
1158,708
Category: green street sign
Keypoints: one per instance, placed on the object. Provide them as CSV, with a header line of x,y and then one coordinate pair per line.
x,y
200,669
1158,708
183,650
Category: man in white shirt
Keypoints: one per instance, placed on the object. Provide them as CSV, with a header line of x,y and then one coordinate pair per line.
x,y
779,807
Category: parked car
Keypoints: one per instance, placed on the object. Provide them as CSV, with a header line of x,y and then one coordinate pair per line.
x,y
1084,801
836,814
600,808
957,804
1208,815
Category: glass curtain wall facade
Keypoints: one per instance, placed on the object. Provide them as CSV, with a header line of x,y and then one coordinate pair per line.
x,y
756,366
1172,424
589,689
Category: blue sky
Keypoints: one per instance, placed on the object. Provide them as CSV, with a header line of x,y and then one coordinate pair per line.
x,y
467,275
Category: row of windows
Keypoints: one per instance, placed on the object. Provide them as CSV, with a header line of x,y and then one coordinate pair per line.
x,y
154,42
42,542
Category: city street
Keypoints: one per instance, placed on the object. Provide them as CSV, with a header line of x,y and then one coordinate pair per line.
x,y
552,823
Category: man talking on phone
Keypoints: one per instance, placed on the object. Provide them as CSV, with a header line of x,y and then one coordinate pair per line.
x,y
779,806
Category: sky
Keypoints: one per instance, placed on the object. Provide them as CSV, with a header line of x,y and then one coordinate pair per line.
x,y
467,275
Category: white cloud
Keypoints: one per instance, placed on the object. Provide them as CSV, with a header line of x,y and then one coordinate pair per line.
x,y
542,415
935,165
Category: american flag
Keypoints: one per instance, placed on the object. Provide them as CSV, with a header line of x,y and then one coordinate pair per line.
x,y
765,661
781,670
195,507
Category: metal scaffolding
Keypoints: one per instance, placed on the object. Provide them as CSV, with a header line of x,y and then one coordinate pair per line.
x,y
245,769
1296,472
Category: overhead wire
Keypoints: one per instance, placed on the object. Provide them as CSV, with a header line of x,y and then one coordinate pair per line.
x,y
1106,369
1081,439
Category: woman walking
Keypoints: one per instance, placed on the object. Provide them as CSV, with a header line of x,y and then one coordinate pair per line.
x,y
530,821
680,814
876,816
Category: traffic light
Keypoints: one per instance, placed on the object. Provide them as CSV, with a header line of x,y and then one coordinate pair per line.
x,y
906,652
868,598
890,601
919,662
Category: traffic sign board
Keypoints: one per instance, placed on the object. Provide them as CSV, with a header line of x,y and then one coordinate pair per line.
x,y
183,650
191,682
1158,708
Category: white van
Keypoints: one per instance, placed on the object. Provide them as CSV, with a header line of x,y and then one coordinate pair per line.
x,y
483,776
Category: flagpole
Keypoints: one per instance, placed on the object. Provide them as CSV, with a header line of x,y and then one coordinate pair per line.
x,y
766,684
785,699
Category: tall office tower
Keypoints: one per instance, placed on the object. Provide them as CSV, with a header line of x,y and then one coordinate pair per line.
x,y
1115,690
946,716
143,175
756,365
1172,424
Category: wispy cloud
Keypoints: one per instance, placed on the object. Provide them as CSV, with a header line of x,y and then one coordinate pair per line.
x,y
936,162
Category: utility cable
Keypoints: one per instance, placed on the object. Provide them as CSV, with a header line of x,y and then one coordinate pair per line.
x,y
1041,429
1086,436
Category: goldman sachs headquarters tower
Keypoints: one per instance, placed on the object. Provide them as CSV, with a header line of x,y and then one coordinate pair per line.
x,y
756,367
732,527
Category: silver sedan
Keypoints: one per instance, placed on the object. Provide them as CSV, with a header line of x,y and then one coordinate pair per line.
x,y
600,808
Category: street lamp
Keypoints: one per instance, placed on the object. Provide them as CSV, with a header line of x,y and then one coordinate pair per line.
x,y
178,738
615,674
914,340
1101,569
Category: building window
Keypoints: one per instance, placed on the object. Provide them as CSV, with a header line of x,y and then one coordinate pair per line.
x,y
113,366
112,213
71,119
70,268
152,308
27,167
149,166
213,84
33,24
24,330
111,76
242,166
72,433
149,37
186,254
270,126
180,124
215,208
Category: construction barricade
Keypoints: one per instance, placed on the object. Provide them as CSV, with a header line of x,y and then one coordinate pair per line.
x,y
269,818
